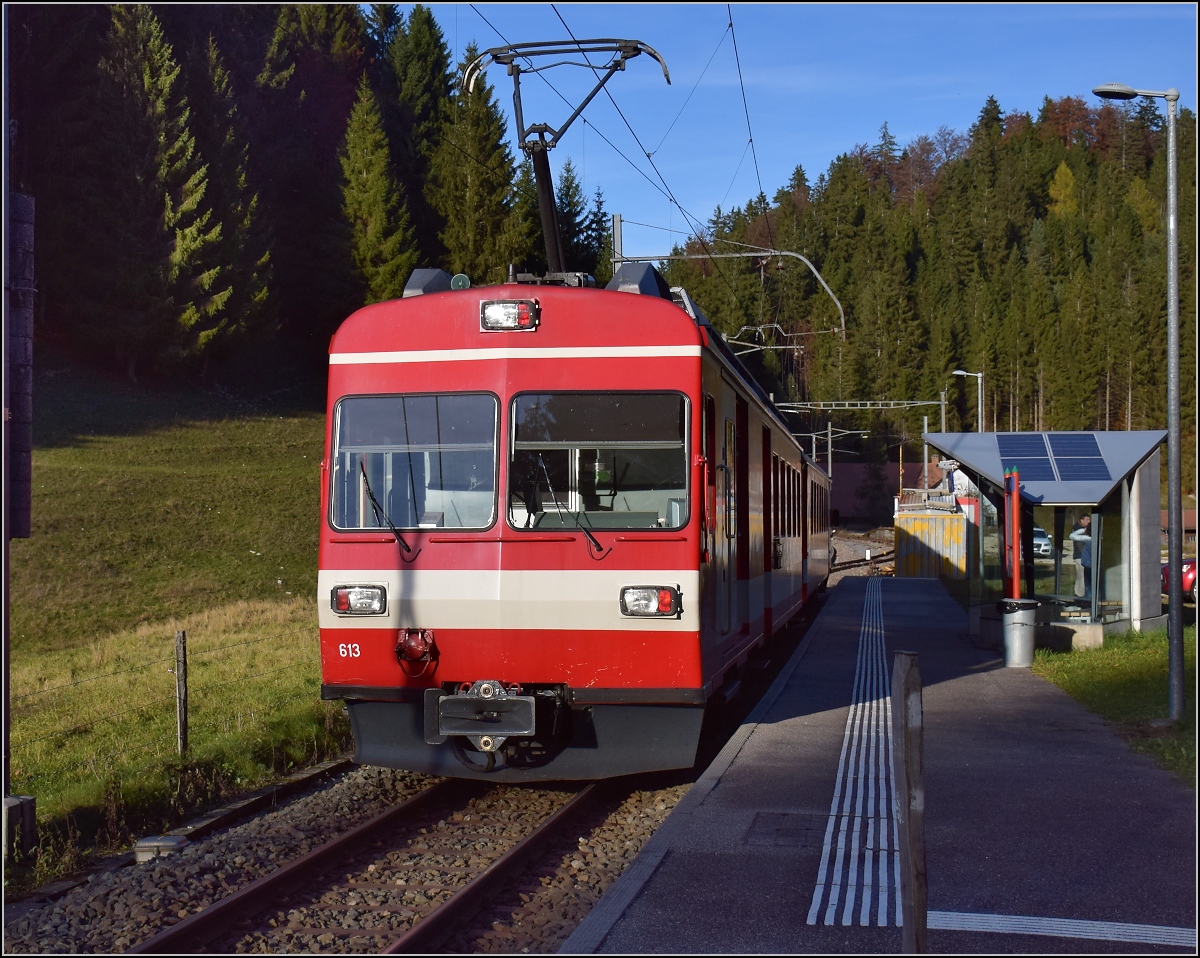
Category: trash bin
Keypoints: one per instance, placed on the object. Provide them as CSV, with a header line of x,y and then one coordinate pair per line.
x,y
1019,617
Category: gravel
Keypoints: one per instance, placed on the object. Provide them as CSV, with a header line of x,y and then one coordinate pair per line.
x,y
853,546
113,910
553,905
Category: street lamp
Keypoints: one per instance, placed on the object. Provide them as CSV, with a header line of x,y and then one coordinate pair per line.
x,y
1119,91
979,406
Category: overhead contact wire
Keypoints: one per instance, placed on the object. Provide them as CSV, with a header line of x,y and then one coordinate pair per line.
x,y
692,221
746,108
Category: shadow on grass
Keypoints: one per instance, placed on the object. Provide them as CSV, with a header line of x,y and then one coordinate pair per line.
x,y
108,817
74,404
1126,683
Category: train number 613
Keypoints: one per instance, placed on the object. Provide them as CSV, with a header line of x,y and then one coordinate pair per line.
x,y
349,650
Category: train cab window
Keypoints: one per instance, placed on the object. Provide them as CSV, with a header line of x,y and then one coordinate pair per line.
x,y
427,461
598,460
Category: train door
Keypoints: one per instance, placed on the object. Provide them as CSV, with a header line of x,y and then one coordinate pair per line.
x,y
743,612
708,510
725,553
769,533
805,529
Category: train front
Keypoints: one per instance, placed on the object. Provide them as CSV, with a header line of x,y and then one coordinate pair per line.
x,y
511,529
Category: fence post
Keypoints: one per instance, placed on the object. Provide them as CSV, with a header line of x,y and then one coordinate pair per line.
x,y
908,770
181,695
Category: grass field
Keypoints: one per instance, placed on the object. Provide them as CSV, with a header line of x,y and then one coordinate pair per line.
x,y
152,513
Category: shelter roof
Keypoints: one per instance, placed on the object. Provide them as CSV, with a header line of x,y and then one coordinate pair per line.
x,y
1055,468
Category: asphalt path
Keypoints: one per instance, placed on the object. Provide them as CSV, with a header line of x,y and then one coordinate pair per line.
x,y
1044,832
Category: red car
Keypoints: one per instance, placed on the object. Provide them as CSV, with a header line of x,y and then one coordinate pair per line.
x,y
1189,579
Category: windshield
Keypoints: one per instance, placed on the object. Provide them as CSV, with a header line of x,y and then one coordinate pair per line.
x,y
429,461
598,460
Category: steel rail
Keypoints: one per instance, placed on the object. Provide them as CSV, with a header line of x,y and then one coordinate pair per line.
x,y
858,563
440,922
190,934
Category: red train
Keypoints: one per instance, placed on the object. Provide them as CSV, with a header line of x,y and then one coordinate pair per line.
x,y
656,522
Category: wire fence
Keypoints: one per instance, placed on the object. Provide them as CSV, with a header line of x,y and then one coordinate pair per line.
x,y
76,735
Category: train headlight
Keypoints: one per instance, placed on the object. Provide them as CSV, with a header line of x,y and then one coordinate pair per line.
x,y
359,600
519,314
651,600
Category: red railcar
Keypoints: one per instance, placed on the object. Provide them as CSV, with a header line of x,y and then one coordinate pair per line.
x,y
556,522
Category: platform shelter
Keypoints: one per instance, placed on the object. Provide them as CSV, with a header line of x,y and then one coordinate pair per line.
x,y
1113,478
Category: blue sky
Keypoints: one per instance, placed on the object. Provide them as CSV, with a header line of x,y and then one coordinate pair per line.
x,y
807,82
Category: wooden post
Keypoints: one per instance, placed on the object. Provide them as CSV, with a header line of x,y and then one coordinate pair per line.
x,y
908,771
181,692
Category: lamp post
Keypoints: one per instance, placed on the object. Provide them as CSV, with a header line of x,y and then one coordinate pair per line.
x,y
979,405
1119,91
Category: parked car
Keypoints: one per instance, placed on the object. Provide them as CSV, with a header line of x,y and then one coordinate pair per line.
x,y
1189,579
1043,548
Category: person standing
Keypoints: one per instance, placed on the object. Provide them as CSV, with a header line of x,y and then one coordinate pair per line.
x,y
1081,537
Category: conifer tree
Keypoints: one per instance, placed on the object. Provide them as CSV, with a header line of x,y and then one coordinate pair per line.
x,y
420,65
383,23
53,51
572,220
307,89
154,286
381,239
523,245
243,247
598,231
470,183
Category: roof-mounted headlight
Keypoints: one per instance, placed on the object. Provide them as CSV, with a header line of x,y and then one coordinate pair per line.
x,y
521,315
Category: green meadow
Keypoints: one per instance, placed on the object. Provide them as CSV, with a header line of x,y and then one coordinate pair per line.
x,y
156,512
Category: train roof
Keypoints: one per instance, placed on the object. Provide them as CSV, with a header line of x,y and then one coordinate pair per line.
x,y
389,326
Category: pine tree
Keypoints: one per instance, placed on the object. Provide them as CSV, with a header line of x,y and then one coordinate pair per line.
x,y
1063,201
420,64
471,178
523,245
245,242
384,23
598,231
54,127
572,220
154,285
381,239
306,91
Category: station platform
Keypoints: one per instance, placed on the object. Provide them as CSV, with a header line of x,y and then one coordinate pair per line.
x,y
1044,832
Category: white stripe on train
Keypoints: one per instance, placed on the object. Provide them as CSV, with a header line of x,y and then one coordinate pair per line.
x,y
579,600
549,352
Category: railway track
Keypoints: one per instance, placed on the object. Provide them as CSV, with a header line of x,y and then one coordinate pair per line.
x,y
400,883
883,557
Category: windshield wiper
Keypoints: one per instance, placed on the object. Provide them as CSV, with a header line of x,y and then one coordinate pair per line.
x,y
561,508
378,509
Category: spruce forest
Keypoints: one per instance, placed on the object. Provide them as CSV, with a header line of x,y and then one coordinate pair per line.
x,y
221,181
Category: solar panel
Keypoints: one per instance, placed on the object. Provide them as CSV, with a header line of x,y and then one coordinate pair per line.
x,y
1031,470
1082,469
1074,445
1027,445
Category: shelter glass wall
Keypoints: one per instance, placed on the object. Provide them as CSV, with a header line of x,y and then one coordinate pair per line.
x,y
1059,579
1112,569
